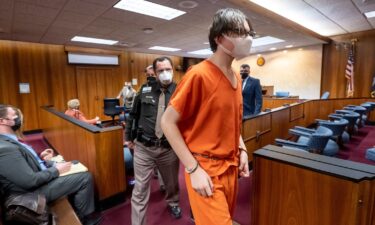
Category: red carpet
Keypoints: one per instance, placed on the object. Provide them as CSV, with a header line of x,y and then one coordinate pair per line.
x,y
36,141
355,150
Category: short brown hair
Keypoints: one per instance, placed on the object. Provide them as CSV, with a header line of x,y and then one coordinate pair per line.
x,y
161,59
226,21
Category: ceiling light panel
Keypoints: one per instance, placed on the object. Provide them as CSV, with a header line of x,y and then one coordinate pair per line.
x,y
166,49
266,41
149,9
370,14
205,51
302,13
93,40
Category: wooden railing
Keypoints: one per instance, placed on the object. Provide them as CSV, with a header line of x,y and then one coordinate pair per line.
x,y
262,129
100,149
271,103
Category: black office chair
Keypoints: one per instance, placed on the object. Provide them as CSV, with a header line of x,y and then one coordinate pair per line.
x,y
111,109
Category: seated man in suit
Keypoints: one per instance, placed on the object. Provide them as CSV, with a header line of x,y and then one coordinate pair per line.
x,y
251,93
73,111
21,170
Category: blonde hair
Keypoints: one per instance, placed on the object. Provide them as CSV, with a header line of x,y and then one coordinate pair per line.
x,y
73,103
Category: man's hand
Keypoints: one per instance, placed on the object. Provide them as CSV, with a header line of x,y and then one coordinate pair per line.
x,y
201,182
244,164
47,154
63,167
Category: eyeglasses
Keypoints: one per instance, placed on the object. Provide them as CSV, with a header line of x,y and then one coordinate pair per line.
x,y
242,33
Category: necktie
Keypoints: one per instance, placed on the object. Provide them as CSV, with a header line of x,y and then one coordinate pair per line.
x,y
161,106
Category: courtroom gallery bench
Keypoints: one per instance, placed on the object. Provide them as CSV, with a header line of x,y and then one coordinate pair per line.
x,y
63,212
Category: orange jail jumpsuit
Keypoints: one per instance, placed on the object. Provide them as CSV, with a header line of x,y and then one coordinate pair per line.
x,y
210,112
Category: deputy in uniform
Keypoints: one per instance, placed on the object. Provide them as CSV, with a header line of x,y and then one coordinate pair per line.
x,y
151,147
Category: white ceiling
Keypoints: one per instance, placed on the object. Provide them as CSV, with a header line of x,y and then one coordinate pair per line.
x,y
57,21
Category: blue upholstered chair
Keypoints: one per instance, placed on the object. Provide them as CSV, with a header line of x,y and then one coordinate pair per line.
x,y
370,154
368,109
332,147
316,140
350,116
360,110
337,127
325,95
282,94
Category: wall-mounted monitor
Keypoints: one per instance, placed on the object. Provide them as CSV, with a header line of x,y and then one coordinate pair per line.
x,y
82,58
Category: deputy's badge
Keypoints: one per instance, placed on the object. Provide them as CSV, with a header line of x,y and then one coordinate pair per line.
x,y
146,89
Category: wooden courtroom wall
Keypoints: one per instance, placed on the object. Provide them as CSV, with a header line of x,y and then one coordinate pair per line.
x,y
334,63
53,81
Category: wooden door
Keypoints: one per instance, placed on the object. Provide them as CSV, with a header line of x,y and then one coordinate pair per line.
x,y
93,85
106,88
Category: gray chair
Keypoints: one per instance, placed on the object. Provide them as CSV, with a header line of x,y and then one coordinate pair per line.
x,y
338,128
368,110
360,110
350,116
316,140
325,95
370,154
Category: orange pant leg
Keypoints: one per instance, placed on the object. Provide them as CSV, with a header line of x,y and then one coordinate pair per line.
x,y
219,208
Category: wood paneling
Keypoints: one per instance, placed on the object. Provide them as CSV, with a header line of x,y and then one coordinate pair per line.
x,y
255,130
101,151
334,62
93,85
271,103
53,81
296,188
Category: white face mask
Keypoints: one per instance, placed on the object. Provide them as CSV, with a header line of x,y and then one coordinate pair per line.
x,y
166,77
241,48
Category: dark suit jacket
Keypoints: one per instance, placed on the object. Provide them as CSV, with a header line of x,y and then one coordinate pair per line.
x,y
19,170
252,97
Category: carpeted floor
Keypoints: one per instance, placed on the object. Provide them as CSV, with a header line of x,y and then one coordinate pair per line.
x,y
355,150
157,213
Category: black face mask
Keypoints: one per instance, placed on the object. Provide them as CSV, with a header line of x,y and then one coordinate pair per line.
x,y
151,80
17,124
244,75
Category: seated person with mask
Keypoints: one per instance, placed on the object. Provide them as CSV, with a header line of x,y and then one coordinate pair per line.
x,y
73,111
22,171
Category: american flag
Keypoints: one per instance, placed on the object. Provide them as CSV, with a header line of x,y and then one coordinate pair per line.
x,y
349,73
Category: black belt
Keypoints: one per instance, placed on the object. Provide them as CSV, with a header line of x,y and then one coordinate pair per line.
x,y
148,142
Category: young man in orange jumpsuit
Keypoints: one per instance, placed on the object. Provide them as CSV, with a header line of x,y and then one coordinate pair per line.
x,y
203,121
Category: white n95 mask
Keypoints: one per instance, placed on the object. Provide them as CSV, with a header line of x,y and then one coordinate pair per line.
x,y
242,47
166,77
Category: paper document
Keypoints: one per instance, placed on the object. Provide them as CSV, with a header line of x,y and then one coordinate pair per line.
x,y
76,168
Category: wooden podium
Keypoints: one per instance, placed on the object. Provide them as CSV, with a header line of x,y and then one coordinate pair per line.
x,y
298,188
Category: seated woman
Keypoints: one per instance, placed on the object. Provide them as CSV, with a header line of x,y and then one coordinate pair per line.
x,y
73,111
